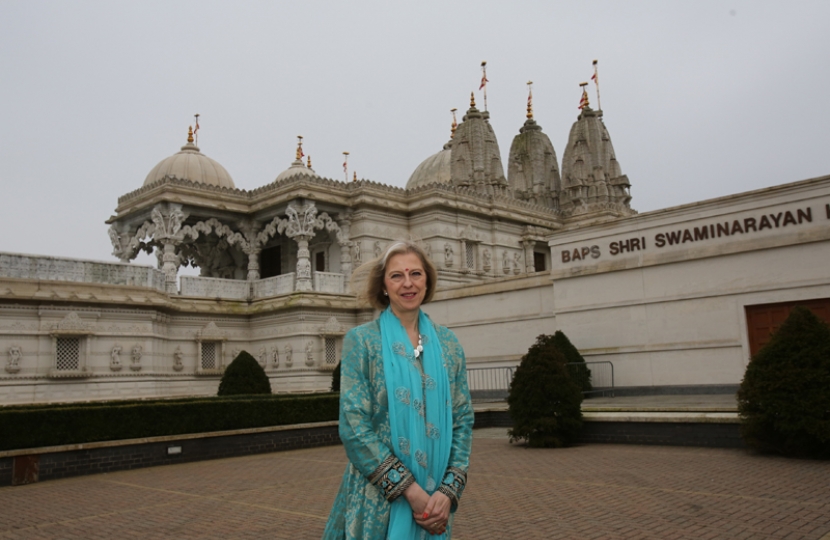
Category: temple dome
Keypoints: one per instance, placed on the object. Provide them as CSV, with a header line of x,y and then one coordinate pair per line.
x,y
433,170
190,164
297,168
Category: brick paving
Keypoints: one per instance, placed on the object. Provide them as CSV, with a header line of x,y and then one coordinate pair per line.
x,y
590,492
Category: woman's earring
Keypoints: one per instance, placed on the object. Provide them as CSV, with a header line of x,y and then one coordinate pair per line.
x,y
385,293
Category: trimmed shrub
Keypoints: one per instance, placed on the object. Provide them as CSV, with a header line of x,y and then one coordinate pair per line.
x,y
784,398
335,379
544,400
581,374
37,426
244,376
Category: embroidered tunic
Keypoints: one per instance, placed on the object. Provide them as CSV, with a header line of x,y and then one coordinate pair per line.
x,y
374,477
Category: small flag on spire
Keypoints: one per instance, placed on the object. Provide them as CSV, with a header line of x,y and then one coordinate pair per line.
x,y
529,99
346,165
300,152
595,78
196,131
484,82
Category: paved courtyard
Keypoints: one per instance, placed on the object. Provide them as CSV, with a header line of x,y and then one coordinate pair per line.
x,y
592,492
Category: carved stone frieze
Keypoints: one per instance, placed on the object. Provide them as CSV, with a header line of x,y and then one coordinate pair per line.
x,y
289,355
211,332
72,324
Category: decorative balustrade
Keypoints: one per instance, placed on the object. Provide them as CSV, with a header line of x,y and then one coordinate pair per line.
x,y
274,286
230,289
13,265
329,283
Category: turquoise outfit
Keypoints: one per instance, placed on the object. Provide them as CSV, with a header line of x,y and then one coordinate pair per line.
x,y
433,428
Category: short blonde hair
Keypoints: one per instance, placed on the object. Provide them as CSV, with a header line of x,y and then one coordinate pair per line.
x,y
374,271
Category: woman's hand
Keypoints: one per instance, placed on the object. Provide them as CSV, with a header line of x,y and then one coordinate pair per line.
x,y
417,499
436,514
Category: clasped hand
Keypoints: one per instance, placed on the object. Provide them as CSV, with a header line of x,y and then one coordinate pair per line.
x,y
430,512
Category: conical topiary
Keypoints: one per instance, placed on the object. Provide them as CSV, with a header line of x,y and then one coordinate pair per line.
x,y
544,400
244,376
580,373
784,398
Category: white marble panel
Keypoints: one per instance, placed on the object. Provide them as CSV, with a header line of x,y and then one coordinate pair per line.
x,y
232,289
21,266
274,286
329,283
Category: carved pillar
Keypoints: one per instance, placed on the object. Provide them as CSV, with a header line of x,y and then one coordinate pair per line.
x,y
303,282
530,267
251,247
344,222
170,266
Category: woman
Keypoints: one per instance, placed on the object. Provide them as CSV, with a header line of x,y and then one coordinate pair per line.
x,y
405,413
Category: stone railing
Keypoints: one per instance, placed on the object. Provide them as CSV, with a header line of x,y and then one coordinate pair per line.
x,y
231,289
274,286
13,265
329,283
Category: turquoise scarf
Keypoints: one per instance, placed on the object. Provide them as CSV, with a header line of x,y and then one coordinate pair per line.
x,y
420,413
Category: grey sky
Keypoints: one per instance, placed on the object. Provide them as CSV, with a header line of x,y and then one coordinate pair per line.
x,y
702,99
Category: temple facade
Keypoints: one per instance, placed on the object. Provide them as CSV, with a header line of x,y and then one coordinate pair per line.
x,y
661,295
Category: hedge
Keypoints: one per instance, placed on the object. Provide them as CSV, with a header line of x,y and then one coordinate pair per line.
x,y
37,426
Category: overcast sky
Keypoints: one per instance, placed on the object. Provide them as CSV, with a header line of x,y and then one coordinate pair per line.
x,y
702,99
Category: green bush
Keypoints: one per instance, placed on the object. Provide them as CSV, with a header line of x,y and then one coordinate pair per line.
x,y
53,425
244,376
335,379
544,400
784,398
580,373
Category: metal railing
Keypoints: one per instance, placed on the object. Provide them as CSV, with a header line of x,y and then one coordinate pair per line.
x,y
593,377
490,383
493,383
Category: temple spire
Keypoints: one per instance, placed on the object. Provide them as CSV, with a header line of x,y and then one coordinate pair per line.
x,y
190,134
454,124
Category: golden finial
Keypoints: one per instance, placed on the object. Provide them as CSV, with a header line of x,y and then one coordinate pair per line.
x,y
583,102
472,100
354,178
309,161
454,124
190,134
299,147
529,100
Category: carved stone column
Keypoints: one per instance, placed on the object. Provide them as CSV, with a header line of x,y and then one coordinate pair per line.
x,y
530,267
303,282
170,266
345,221
251,247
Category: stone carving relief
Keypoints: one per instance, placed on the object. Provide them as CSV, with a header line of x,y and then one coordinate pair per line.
x,y
428,250
356,251
309,353
505,262
136,357
115,358
15,355
210,332
275,356
72,324
485,256
263,357
289,355
517,262
378,250
332,327
448,252
177,359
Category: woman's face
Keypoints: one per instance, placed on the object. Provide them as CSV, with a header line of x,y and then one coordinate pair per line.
x,y
405,281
